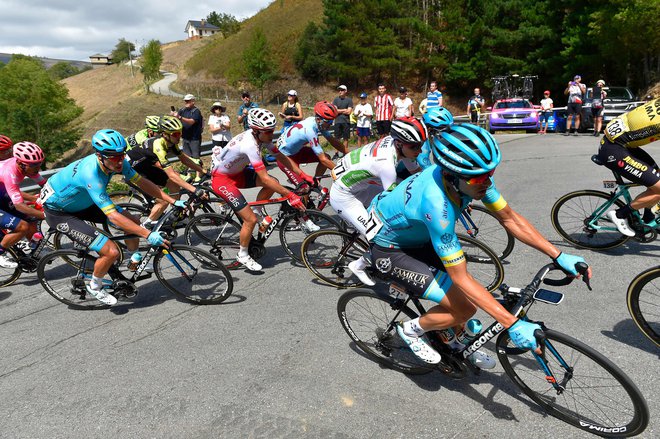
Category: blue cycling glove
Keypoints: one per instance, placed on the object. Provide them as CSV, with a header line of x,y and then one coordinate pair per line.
x,y
522,334
567,262
155,239
180,203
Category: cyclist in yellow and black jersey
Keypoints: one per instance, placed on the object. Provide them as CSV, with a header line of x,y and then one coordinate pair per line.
x,y
150,130
150,160
620,152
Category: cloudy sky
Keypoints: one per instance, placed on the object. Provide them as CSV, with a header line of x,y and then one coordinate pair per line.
x,y
76,29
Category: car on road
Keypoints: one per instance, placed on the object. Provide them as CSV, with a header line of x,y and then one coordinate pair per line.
x,y
619,100
513,114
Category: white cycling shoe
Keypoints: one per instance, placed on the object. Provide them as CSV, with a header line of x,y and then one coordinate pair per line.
x,y
101,296
360,273
419,346
621,224
482,360
309,226
7,262
248,262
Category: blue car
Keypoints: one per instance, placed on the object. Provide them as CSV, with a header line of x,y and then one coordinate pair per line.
x,y
513,114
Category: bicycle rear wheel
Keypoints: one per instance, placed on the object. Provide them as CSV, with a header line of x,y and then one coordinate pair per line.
x,y
597,397
293,230
63,274
194,275
491,232
327,253
482,263
643,300
9,275
217,234
369,318
572,213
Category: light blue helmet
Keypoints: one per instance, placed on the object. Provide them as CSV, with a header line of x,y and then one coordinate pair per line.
x,y
438,118
465,149
109,141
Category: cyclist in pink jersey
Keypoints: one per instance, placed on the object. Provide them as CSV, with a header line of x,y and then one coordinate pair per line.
x,y
16,217
230,172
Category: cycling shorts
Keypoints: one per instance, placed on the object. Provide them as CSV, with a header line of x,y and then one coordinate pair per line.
x,y
9,220
574,108
152,173
226,187
351,208
305,155
633,164
414,268
76,226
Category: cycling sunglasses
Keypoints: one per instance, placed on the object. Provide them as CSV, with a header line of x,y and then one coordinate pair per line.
x,y
119,157
413,146
329,122
479,179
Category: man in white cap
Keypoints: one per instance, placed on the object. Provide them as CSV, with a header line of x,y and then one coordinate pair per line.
x,y
193,125
344,106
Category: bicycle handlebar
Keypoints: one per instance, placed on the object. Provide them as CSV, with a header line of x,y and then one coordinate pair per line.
x,y
581,268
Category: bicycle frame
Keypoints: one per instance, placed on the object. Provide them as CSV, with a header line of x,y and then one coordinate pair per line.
x,y
622,191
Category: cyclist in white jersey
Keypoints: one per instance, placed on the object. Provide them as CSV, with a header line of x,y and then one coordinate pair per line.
x,y
370,170
230,172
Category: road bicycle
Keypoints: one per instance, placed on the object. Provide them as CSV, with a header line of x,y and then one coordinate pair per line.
x,y
192,274
643,301
219,233
327,253
27,258
569,380
501,88
580,217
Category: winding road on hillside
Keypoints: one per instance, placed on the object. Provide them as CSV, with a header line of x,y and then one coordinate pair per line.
x,y
162,87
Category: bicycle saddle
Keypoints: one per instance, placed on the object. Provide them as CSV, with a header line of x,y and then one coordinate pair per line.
x,y
596,160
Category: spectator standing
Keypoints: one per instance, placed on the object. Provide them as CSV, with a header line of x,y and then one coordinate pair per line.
x,y
434,96
244,108
193,125
546,111
383,105
219,125
403,104
363,112
599,94
291,110
575,91
344,106
475,105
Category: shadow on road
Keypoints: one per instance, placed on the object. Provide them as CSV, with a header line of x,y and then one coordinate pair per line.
x,y
628,333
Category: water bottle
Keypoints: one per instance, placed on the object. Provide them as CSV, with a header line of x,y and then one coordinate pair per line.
x,y
447,336
656,209
471,329
36,239
136,258
263,226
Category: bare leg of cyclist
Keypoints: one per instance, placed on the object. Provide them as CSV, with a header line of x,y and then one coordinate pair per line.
x,y
108,254
133,243
249,221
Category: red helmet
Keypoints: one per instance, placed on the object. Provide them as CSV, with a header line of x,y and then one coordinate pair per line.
x,y
28,153
326,110
5,143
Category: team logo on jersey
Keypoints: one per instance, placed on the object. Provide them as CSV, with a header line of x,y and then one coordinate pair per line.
x,y
384,265
611,159
63,227
444,223
428,217
446,238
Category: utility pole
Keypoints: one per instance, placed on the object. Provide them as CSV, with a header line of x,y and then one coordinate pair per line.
x,y
130,59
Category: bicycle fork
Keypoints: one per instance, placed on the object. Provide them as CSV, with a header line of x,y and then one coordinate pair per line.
x,y
549,375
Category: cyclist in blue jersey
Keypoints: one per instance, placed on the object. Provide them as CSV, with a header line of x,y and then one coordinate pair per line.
x,y
413,241
77,194
300,142
435,119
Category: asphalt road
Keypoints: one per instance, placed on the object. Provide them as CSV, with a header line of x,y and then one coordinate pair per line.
x,y
273,361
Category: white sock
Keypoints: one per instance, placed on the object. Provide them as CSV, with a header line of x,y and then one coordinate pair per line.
x,y
259,211
243,251
96,283
362,263
411,328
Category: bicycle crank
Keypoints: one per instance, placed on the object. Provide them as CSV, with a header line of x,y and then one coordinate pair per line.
x,y
124,288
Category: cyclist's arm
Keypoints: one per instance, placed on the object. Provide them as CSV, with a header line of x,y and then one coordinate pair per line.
x,y
18,198
288,163
271,183
126,224
152,189
190,164
176,178
336,144
28,210
524,231
325,160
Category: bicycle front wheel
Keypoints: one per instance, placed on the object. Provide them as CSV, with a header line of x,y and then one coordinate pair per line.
x,y
9,275
327,253
295,228
491,232
369,319
194,275
596,395
482,263
63,274
573,212
644,303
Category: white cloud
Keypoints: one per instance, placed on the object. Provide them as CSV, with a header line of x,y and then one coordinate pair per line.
x,y
75,29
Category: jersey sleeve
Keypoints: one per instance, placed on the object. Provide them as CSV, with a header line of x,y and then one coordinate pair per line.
x,y
439,216
493,200
314,142
160,149
129,173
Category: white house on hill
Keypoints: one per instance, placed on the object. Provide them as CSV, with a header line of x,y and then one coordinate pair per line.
x,y
99,60
200,29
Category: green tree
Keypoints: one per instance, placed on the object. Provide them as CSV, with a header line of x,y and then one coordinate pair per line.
x,y
65,69
35,107
122,51
227,23
152,57
258,63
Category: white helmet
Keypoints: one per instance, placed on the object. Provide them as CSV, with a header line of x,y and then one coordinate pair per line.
x,y
261,119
